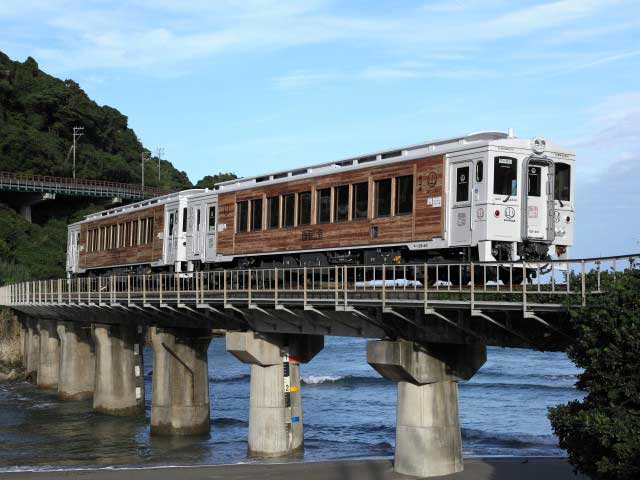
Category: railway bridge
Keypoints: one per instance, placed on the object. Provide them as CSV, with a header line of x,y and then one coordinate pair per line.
x,y
27,190
83,338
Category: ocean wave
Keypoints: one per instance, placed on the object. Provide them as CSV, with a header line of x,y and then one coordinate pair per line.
x,y
342,380
222,422
519,440
516,386
233,378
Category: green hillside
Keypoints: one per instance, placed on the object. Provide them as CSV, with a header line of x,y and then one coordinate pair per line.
x,y
37,116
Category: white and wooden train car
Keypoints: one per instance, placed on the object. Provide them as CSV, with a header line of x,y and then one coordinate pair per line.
x,y
487,196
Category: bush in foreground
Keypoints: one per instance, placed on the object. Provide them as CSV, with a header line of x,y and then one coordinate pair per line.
x,y
602,433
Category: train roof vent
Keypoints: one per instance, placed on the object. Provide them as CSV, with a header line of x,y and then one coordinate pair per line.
x,y
345,163
280,175
370,158
396,153
263,179
301,171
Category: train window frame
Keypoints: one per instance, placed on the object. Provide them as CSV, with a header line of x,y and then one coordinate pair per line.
x,y
377,197
463,184
398,204
256,214
242,216
288,212
479,171
121,236
172,220
504,187
307,208
562,171
185,218
321,208
271,202
356,210
149,229
143,231
135,233
212,218
534,189
338,205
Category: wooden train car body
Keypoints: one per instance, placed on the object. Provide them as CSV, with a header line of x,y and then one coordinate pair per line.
x,y
143,234
488,196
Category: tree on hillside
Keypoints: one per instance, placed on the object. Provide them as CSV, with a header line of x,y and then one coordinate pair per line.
x,y
210,180
37,116
602,432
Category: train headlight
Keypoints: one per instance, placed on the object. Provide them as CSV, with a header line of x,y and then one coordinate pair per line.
x,y
538,145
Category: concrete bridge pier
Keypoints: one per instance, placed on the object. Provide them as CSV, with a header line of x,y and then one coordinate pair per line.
x,y
49,361
428,437
32,350
77,362
275,404
119,380
180,393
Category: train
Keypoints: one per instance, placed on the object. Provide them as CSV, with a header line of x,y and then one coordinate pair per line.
x,y
484,197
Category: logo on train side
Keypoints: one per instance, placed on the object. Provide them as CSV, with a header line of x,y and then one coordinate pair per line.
x,y
432,179
510,212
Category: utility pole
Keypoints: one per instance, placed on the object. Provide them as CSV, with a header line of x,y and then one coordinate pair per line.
x,y
160,152
77,133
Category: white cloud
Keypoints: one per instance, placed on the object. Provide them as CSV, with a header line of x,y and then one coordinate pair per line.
x,y
144,33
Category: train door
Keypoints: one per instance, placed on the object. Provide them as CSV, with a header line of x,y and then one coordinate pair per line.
x,y
210,246
198,232
460,210
172,236
539,202
73,250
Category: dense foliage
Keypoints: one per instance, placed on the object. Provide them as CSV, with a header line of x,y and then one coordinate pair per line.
x,y
602,432
37,116
210,180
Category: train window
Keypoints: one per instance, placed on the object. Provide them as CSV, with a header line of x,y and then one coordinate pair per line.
x,y
462,184
212,219
382,197
171,220
288,206
563,182
184,219
243,216
134,230
479,171
256,214
534,181
404,195
360,200
198,220
273,212
121,236
323,213
143,231
127,235
341,203
150,229
304,208
505,176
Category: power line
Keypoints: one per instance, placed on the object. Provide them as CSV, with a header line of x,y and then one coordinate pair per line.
x,y
77,133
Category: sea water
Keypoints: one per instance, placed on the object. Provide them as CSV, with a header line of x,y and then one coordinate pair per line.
x,y
349,412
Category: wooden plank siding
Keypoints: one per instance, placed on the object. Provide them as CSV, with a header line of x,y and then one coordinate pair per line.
x,y
147,253
425,223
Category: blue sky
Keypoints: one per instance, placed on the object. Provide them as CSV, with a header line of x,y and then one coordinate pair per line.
x,y
256,85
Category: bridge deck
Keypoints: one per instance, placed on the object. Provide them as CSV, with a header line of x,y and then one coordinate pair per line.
x,y
450,303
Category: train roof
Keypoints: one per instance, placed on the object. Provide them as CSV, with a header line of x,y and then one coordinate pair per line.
x,y
141,205
432,147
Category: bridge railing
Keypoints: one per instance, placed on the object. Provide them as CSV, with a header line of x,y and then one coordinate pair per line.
x,y
522,285
44,183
